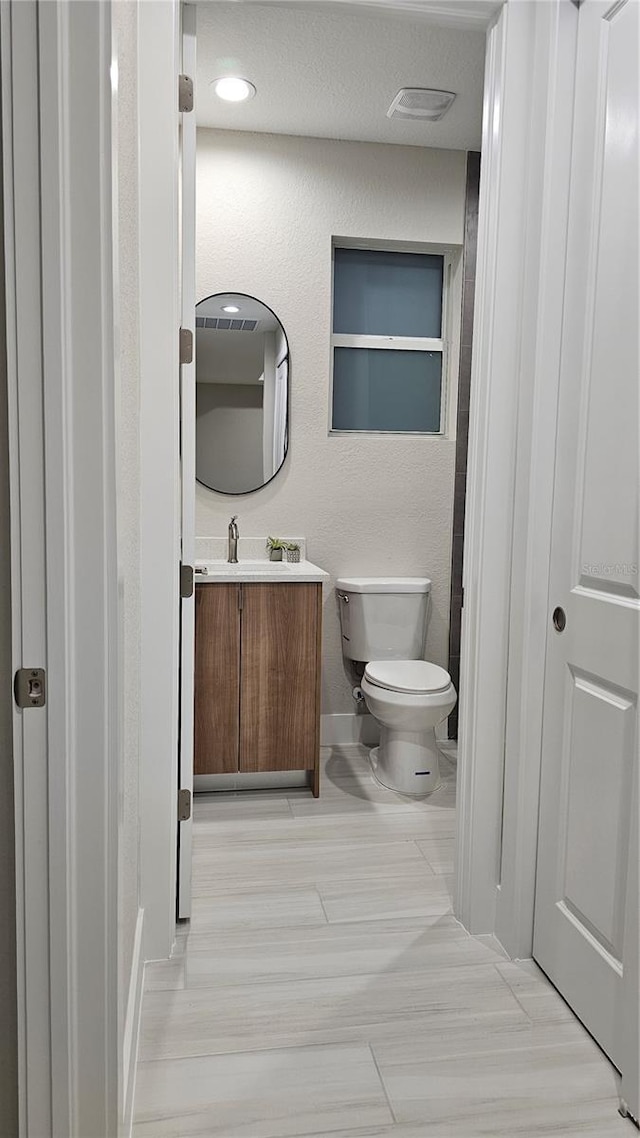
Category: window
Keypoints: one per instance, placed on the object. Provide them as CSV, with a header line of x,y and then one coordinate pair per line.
x,y
387,342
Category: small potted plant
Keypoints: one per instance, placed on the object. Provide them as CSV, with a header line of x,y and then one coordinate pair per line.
x,y
275,545
293,551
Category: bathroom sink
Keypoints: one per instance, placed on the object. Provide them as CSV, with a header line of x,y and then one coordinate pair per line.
x,y
218,571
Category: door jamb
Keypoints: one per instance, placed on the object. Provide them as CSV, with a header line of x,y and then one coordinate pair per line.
x,y
159,52
551,142
524,182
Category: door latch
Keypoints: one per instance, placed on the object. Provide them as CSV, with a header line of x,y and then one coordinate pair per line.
x,y
186,581
184,805
186,346
30,687
185,93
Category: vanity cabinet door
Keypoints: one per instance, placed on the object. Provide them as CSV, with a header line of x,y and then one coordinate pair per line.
x,y
280,685
217,679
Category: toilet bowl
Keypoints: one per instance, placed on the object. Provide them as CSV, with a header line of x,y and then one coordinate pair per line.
x,y
409,698
383,622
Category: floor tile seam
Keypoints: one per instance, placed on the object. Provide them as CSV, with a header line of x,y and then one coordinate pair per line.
x,y
515,997
293,934
349,921
343,847
322,808
318,937
249,932
323,907
366,806
224,929
267,884
447,1056
353,1037
415,973
423,855
340,1044
401,862
267,981
253,891
231,842
331,881
392,1112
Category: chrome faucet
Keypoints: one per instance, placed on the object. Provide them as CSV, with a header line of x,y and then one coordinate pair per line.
x,y
232,557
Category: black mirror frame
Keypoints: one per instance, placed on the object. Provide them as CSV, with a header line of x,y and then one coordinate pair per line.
x,y
243,493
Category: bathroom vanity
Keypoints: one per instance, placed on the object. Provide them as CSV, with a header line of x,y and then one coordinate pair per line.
x,y
257,669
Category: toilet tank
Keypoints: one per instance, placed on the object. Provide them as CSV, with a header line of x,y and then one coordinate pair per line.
x,y
383,618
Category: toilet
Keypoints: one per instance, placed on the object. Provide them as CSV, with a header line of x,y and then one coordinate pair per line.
x,y
384,622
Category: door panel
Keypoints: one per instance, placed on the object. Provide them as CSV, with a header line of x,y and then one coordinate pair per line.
x,y
280,672
217,678
584,907
599,758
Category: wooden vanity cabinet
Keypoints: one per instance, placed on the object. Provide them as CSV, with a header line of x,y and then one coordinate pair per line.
x,y
257,678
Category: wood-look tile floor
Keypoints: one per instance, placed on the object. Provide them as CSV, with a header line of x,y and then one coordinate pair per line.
x,y
324,988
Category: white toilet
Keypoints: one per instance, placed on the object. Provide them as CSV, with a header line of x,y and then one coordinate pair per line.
x,y
384,623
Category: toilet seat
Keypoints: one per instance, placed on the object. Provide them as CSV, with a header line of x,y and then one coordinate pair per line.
x,y
417,677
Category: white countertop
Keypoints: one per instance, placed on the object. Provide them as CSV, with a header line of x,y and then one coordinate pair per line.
x,y
258,571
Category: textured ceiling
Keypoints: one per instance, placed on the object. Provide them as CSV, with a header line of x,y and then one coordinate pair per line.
x,y
331,72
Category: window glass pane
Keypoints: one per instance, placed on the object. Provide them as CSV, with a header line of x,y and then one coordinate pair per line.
x,y
383,390
376,293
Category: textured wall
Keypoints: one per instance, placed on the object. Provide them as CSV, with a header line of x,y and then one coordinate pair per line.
x,y
8,1027
267,208
125,15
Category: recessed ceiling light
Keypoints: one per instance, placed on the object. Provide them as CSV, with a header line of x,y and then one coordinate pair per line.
x,y
230,308
232,89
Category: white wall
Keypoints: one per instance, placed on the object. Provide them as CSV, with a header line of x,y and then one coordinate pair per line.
x,y
267,208
229,434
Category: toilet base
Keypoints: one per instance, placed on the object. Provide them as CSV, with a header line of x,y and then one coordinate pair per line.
x,y
407,761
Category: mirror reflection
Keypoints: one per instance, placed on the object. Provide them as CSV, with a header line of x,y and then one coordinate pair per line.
x,y
242,393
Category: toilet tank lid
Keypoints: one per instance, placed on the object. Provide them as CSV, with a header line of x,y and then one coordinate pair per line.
x,y
384,584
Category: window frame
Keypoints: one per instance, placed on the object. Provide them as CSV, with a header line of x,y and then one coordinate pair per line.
x,y
399,343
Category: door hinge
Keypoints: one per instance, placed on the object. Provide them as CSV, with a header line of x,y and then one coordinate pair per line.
x,y
186,581
185,93
184,805
186,346
30,687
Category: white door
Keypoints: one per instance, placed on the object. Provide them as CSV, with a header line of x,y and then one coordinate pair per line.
x,y
188,460
586,900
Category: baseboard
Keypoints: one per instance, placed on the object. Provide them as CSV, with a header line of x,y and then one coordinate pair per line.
x,y
131,1034
253,780
343,730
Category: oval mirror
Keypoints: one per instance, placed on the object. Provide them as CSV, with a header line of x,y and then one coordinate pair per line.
x,y
242,393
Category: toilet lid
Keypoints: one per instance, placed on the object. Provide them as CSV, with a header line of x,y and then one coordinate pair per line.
x,y
416,676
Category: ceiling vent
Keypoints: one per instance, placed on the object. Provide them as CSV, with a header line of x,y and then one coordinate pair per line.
x,y
420,103
226,324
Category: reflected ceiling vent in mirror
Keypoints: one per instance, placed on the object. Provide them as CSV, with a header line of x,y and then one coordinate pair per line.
x,y
226,324
420,103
